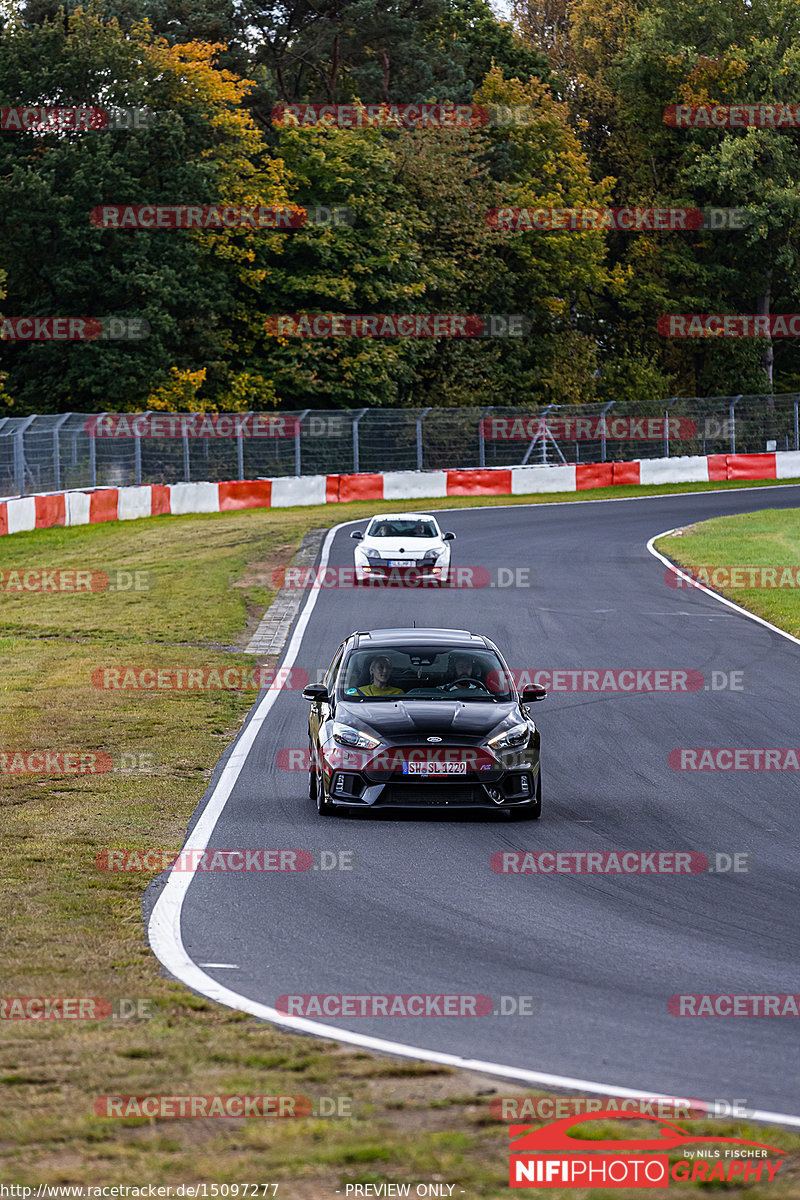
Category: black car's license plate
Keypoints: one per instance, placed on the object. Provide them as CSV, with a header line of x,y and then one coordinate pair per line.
x,y
434,767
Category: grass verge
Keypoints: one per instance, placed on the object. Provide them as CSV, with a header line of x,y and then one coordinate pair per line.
x,y
768,540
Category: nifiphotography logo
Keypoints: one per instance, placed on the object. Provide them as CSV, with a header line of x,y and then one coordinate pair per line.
x,y
551,1157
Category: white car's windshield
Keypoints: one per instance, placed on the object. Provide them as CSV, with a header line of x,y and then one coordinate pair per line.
x,y
398,527
425,673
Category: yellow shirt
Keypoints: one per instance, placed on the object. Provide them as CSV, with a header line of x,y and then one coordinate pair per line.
x,y
372,689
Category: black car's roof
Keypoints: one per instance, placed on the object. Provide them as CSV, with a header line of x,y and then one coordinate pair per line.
x,y
393,637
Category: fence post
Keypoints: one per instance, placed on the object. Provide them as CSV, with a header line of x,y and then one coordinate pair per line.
x,y
733,422
19,455
419,436
137,454
796,428
482,436
240,449
93,452
57,452
356,456
186,468
297,430
603,430
666,425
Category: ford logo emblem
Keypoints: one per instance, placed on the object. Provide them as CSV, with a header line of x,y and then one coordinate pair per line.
x,y
434,739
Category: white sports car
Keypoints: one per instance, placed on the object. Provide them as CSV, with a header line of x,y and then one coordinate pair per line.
x,y
403,547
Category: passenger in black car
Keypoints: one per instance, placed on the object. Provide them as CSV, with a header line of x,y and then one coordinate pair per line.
x,y
380,673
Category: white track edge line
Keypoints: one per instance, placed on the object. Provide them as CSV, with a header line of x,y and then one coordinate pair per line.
x,y
164,926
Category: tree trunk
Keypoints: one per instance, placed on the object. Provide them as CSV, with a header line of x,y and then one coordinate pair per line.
x,y
762,308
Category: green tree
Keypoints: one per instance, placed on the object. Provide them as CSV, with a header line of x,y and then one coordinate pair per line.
x,y
202,148
735,52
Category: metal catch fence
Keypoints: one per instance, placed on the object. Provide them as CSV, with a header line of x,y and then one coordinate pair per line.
x,y
76,450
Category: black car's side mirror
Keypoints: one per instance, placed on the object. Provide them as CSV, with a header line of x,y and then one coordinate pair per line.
x,y
449,537
317,693
532,694
357,535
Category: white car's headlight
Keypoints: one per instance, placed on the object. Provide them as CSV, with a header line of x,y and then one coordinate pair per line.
x,y
509,739
370,551
346,735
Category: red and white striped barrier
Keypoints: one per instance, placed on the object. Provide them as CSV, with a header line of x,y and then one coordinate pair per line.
x,y
131,503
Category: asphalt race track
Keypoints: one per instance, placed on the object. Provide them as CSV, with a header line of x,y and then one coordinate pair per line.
x,y
423,912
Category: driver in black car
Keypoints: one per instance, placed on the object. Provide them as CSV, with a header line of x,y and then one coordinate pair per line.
x,y
462,667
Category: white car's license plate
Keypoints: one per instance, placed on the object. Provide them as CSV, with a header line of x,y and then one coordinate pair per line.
x,y
401,562
434,768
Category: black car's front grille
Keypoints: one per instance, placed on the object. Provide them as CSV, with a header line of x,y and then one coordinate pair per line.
x,y
424,794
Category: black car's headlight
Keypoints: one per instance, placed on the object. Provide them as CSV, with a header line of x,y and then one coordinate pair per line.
x,y
511,738
346,735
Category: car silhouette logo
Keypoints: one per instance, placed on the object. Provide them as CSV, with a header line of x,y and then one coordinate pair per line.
x,y
555,1136
433,739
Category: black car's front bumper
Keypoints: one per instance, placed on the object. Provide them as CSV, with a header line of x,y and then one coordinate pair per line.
x,y
492,789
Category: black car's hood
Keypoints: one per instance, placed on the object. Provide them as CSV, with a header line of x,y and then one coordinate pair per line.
x,y
411,719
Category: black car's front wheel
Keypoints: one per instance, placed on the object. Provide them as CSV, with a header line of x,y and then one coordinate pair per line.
x,y
316,791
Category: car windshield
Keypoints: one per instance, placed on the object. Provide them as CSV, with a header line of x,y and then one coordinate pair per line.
x,y
399,527
425,673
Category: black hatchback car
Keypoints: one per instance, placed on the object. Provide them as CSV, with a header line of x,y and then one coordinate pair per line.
x,y
418,718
